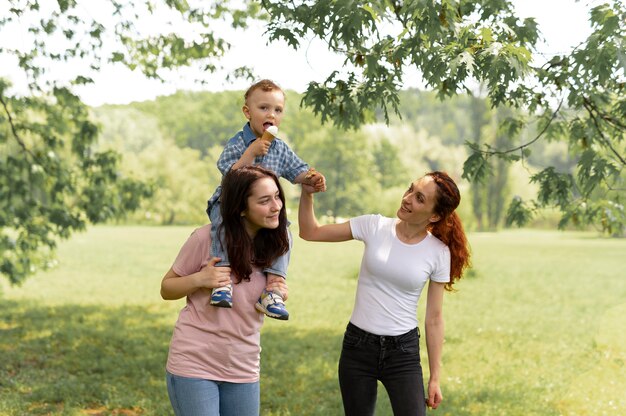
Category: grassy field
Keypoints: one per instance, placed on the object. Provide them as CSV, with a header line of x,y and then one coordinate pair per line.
x,y
537,328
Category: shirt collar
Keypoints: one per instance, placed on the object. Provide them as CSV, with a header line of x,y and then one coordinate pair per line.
x,y
248,134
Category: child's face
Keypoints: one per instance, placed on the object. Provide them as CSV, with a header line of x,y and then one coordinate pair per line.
x,y
264,109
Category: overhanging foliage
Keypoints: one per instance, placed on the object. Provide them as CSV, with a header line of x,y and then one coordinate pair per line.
x,y
55,180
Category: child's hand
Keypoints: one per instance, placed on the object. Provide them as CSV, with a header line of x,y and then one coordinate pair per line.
x,y
259,147
316,180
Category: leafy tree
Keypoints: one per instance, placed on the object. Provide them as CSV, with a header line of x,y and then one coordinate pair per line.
x,y
577,97
450,120
347,163
126,130
388,164
54,180
488,196
183,181
196,119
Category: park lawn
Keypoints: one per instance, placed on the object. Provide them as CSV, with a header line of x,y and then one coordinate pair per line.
x,y
536,328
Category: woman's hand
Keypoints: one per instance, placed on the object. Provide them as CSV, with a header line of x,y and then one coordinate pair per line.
x,y
211,276
312,181
308,189
434,395
175,287
315,180
278,284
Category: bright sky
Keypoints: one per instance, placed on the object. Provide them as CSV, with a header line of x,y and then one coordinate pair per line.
x,y
564,24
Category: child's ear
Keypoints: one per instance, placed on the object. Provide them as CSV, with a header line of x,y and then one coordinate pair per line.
x,y
246,111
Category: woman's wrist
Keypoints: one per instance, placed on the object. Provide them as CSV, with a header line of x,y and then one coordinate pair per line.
x,y
196,281
433,379
306,192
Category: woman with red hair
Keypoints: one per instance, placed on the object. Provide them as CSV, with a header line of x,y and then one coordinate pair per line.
x,y
425,243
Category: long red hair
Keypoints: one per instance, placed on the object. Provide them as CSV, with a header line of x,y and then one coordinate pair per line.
x,y
449,229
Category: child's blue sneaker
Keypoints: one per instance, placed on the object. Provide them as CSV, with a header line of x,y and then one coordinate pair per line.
x,y
222,296
272,304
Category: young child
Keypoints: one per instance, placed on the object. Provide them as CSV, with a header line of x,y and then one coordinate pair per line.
x,y
263,107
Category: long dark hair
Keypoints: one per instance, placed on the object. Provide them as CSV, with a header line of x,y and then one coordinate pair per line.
x,y
449,228
268,244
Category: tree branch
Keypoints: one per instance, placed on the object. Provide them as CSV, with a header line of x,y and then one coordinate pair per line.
x,y
504,152
589,107
14,129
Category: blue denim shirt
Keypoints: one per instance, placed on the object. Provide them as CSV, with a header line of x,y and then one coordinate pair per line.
x,y
280,158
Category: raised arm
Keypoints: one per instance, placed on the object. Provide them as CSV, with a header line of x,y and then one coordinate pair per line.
x,y
236,155
311,230
257,148
434,325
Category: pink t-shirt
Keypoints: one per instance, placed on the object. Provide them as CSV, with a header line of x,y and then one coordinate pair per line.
x,y
211,342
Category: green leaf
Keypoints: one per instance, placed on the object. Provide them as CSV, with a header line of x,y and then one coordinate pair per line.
x,y
117,57
476,168
370,10
554,187
518,213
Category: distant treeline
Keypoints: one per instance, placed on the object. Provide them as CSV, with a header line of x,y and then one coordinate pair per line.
x,y
174,142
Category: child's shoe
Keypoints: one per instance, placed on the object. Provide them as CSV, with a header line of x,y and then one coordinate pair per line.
x,y
272,304
222,296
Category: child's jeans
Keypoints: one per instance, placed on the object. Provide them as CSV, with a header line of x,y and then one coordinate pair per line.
x,y
218,247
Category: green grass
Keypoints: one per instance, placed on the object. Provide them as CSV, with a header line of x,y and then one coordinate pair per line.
x,y
537,328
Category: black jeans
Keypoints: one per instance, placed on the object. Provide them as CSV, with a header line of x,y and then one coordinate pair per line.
x,y
394,360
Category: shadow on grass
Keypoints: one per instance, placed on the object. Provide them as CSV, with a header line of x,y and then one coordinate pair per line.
x,y
299,371
82,360
93,360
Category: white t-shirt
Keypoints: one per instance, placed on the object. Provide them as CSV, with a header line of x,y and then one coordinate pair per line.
x,y
393,274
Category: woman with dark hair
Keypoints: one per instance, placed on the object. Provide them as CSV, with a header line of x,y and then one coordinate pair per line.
x,y
214,357
425,243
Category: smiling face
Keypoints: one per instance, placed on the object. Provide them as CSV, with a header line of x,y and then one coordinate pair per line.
x,y
418,202
264,109
263,206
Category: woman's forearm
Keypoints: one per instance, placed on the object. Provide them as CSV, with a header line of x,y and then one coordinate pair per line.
x,y
434,325
306,216
175,287
434,344
311,230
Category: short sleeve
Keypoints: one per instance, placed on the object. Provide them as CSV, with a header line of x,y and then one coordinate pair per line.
x,y
292,164
441,272
194,254
363,226
232,152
